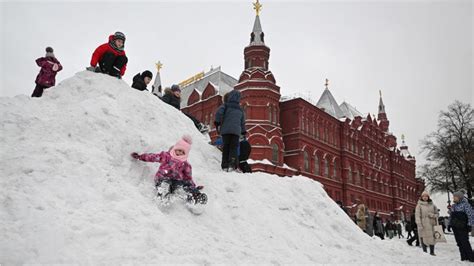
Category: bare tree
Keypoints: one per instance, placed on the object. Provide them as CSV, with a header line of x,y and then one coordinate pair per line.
x,y
450,151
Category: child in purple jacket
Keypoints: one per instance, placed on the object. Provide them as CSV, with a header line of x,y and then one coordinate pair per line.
x,y
46,78
175,171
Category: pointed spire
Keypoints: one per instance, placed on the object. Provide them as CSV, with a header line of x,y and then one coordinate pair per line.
x,y
257,35
157,85
327,84
381,105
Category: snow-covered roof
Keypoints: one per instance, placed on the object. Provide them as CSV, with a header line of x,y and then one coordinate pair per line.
x,y
329,104
220,80
349,111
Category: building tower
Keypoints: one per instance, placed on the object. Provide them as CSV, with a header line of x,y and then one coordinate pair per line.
x,y
260,98
382,116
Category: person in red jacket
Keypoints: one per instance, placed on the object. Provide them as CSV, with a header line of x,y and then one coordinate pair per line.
x,y
110,56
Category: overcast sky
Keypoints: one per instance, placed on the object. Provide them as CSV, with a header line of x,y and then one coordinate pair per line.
x,y
419,53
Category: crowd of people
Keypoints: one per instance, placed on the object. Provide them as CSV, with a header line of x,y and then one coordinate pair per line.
x,y
420,228
110,59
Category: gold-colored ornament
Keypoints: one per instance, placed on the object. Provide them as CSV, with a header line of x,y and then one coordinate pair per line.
x,y
159,65
258,7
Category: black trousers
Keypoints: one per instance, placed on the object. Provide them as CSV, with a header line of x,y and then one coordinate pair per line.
x,y
414,238
229,151
38,92
111,64
462,239
196,122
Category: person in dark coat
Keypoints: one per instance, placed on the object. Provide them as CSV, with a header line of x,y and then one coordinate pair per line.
x,y
173,97
414,229
461,219
231,124
399,229
46,78
140,81
378,226
110,56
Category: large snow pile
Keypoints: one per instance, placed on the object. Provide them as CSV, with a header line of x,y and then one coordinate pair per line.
x,y
70,193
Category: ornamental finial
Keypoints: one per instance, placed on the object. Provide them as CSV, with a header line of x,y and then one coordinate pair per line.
x,y
327,83
258,7
403,137
159,65
380,92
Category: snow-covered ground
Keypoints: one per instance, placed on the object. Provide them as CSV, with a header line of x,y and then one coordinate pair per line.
x,y
70,193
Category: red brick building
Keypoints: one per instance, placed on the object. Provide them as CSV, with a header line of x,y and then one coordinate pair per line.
x,y
352,155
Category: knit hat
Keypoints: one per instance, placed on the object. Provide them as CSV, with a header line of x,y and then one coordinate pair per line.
x,y
183,144
425,193
458,194
147,73
49,50
119,36
175,88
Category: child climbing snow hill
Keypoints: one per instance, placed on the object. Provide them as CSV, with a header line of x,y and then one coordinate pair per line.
x,y
175,171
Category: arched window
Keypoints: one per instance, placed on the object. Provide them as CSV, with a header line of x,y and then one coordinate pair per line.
x,y
317,164
275,115
326,167
335,170
275,153
270,112
211,122
205,120
349,175
306,161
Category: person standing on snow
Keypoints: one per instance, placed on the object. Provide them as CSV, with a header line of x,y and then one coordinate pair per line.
x,y
110,57
399,229
231,125
414,229
461,220
173,97
426,214
46,78
140,81
378,226
360,216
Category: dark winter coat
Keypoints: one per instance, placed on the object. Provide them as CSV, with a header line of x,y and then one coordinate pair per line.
x,y
461,215
139,83
171,99
104,48
47,76
231,117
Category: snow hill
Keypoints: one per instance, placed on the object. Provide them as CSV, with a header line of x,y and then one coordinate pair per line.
x,y
70,193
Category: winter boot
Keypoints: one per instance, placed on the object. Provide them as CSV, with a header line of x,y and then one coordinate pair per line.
x,y
432,250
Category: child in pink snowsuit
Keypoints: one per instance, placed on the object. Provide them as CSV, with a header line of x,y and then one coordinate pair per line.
x,y
174,165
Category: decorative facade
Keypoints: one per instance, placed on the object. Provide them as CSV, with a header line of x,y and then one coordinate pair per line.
x,y
352,155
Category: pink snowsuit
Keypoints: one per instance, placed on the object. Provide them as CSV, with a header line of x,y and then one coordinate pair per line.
x,y
170,168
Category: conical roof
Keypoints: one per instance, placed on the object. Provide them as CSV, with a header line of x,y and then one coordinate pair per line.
x,y
329,104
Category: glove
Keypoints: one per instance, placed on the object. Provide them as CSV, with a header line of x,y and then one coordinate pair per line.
x,y
55,67
135,155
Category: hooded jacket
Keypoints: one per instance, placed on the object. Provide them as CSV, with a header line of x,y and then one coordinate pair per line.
x,y
170,168
171,99
104,48
47,76
139,83
461,215
231,117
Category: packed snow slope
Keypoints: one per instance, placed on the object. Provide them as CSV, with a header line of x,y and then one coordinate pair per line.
x,y
70,193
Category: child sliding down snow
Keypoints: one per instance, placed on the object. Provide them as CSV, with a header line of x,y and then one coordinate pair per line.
x,y
174,171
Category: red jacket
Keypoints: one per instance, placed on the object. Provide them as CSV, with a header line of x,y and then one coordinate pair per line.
x,y
101,50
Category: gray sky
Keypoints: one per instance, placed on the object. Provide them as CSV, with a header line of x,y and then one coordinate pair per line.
x,y
419,53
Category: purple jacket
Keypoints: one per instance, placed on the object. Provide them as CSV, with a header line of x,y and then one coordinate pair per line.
x,y
170,168
47,76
